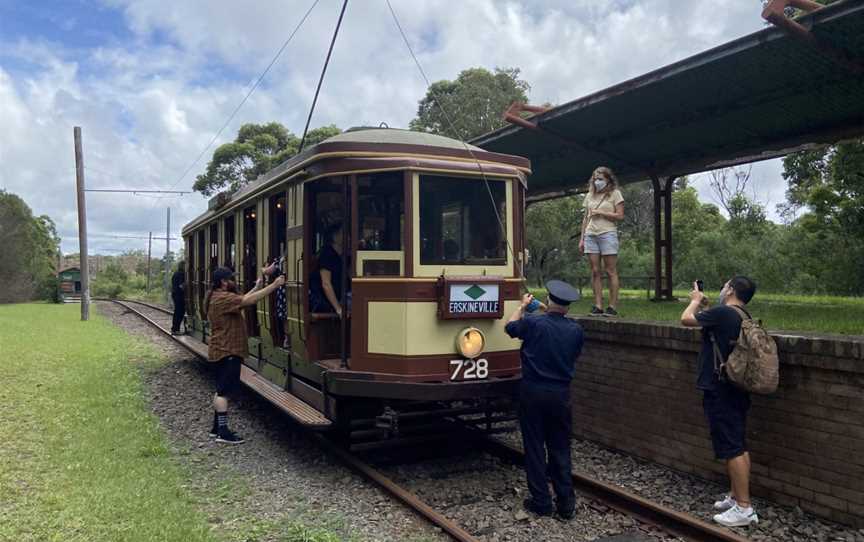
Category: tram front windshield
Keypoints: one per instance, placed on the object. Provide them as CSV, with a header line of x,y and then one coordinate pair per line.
x,y
459,221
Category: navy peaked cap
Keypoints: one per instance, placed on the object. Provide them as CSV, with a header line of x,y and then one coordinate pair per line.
x,y
562,293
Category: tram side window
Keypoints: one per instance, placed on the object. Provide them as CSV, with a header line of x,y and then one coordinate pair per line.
x,y
203,281
214,247
230,243
250,265
381,210
459,221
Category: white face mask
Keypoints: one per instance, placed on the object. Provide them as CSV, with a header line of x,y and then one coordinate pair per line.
x,y
599,184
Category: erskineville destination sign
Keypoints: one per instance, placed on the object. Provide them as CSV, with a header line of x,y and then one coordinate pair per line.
x,y
470,297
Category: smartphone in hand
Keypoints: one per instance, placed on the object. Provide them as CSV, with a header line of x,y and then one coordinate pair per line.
x,y
700,285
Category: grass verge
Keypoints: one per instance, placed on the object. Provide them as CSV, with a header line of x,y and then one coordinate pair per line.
x,y
821,314
81,458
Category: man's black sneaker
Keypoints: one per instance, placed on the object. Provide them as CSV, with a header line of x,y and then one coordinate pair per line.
x,y
610,312
214,432
596,311
566,514
226,436
531,506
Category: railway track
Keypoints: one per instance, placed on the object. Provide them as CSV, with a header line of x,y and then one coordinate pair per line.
x,y
647,513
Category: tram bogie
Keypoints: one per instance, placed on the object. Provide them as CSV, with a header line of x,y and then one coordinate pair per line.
x,y
432,247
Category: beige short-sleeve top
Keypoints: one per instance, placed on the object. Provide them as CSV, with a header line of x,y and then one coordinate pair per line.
x,y
606,202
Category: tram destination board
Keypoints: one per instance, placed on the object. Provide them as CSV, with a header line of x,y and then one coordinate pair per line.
x,y
470,297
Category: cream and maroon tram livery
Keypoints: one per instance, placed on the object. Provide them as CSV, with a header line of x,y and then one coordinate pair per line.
x,y
433,247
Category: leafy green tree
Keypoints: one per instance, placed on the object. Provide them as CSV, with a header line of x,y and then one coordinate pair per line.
x,y
256,149
474,102
552,236
30,250
829,182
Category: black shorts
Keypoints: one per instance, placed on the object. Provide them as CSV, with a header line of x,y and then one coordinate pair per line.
x,y
726,408
227,375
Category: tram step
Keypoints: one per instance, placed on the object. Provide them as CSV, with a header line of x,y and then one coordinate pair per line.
x,y
290,404
287,402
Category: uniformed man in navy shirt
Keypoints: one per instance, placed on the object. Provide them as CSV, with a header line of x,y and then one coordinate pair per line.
x,y
551,343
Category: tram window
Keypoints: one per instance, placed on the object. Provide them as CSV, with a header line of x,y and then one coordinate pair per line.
x,y
250,265
458,222
203,280
381,209
214,247
230,242
278,226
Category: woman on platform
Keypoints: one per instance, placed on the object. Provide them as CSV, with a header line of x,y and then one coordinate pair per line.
x,y
604,207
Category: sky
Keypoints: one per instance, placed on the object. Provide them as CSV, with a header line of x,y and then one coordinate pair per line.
x,y
151,82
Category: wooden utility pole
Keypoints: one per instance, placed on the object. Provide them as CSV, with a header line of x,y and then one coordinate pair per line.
x,y
82,225
149,247
166,278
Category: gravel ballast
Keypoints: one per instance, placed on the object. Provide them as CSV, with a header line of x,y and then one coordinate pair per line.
x,y
288,474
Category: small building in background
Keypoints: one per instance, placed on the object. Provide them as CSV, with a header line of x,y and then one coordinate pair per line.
x,y
70,283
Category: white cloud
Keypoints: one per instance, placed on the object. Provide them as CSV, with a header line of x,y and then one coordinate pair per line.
x,y
149,105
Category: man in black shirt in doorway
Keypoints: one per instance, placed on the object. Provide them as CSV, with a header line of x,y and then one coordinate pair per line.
x,y
551,343
178,296
725,404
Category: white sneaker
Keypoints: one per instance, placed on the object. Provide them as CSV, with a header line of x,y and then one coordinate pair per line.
x,y
727,503
737,517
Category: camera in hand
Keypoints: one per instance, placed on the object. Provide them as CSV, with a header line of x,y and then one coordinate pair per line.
x,y
700,285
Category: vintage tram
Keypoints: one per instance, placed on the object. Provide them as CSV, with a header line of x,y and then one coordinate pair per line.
x,y
433,252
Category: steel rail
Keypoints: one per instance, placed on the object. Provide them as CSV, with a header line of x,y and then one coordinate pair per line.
x,y
403,495
630,504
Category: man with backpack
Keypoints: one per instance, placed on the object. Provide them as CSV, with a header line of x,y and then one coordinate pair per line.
x,y
725,403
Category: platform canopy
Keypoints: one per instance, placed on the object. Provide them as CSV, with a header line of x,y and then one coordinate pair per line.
x,y
758,97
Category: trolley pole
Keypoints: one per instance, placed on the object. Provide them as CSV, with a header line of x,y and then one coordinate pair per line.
x,y
82,225
149,251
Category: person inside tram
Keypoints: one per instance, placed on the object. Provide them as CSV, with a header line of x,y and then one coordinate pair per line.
x,y
326,280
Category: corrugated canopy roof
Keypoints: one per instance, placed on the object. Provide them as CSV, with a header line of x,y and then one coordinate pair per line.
x,y
758,97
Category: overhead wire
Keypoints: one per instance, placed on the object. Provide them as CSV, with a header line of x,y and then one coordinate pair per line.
x,y
248,94
467,147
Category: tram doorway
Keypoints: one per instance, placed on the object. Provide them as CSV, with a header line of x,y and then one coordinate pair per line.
x,y
328,242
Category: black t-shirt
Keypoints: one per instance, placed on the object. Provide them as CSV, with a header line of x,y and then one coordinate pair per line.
x,y
330,260
178,279
724,323
551,343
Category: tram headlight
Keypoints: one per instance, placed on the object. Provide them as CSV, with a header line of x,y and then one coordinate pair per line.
x,y
470,342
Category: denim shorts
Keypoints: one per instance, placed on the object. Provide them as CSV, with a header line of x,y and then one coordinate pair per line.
x,y
605,244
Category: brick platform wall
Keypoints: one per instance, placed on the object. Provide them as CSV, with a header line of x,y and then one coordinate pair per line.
x,y
635,391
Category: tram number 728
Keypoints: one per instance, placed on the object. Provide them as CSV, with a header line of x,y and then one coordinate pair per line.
x,y
470,369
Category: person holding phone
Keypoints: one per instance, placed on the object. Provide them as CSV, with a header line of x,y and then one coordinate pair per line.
x,y
228,347
725,405
604,207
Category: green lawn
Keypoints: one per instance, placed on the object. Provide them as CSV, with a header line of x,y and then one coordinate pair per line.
x,y
81,457
826,314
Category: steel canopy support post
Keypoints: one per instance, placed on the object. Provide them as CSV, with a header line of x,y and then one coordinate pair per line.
x,y
662,238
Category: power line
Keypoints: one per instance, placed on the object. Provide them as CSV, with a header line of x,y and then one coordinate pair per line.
x,y
453,127
251,90
126,191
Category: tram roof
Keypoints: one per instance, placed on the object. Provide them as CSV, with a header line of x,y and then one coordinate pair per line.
x,y
396,147
758,97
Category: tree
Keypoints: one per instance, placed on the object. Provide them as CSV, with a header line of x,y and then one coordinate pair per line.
x,y
257,149
552,236
829,182
474,103
30,248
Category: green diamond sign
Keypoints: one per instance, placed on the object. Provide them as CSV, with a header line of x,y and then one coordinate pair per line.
x,y
475,292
